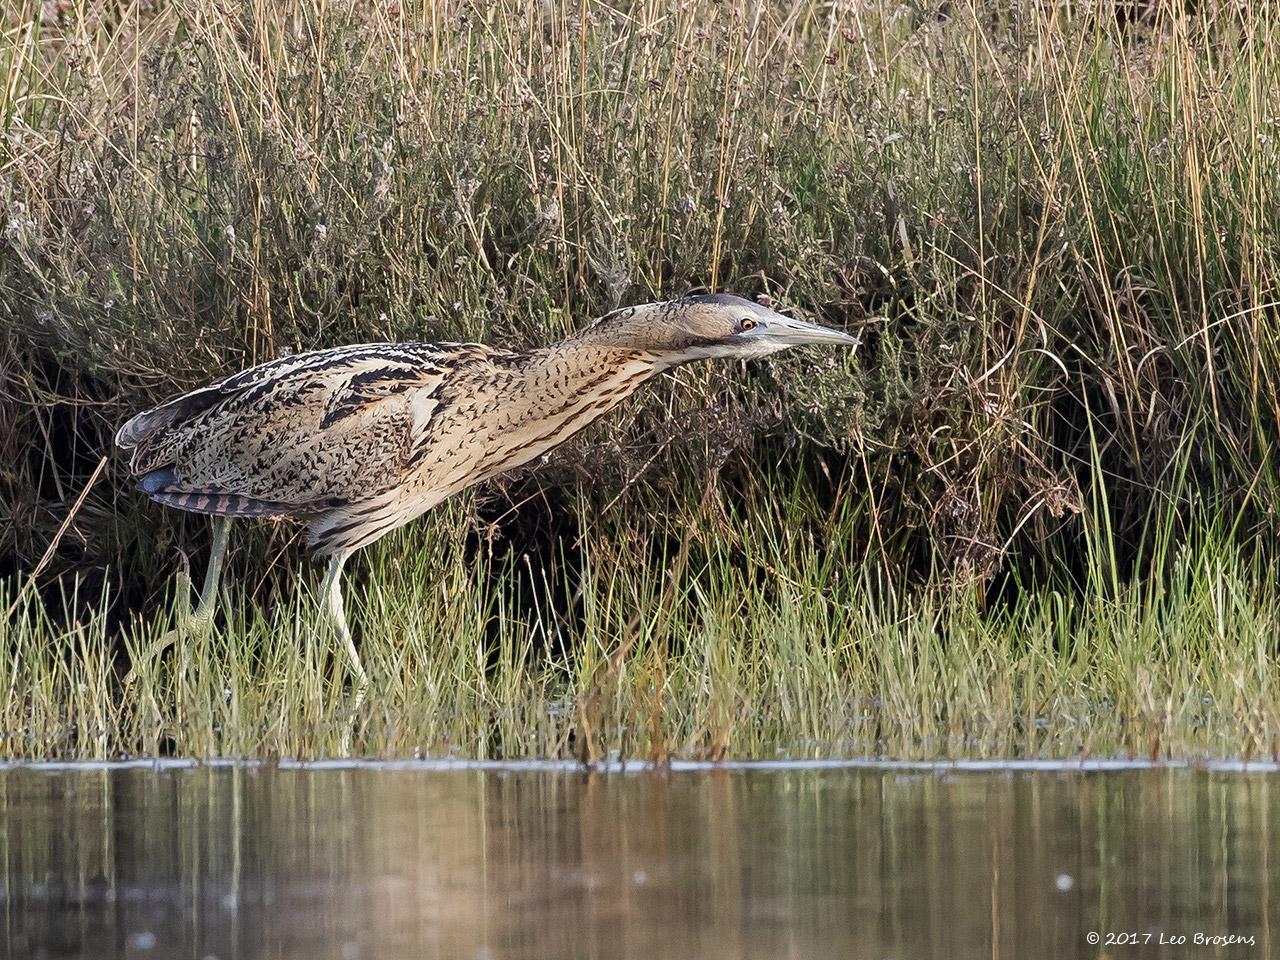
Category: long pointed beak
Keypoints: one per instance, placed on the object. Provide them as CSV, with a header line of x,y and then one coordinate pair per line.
x,y
794,332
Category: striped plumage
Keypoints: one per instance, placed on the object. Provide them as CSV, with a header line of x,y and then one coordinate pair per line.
x,y
358,440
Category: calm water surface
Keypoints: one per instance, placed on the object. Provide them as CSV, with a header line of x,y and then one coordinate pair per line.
x,y
384,863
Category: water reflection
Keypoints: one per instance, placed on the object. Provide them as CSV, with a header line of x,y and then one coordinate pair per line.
x,y
246,863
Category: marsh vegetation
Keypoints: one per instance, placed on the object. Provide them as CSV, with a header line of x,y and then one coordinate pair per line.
x,y
1034,515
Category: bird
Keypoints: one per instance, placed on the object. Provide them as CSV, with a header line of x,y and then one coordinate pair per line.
x,y
356,441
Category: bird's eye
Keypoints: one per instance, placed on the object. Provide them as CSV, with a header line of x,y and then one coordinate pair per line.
x,y
745,324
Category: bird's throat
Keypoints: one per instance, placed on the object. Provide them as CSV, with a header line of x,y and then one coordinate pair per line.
x,y
562,390
574,383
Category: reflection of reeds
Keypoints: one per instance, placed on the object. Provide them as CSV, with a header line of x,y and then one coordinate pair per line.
x,y
720,865
1054,230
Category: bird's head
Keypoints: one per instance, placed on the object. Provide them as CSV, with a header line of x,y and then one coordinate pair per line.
x,y
709,326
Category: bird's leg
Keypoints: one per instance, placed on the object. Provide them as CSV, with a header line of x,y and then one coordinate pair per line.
x,y
203,616
331,594
199,620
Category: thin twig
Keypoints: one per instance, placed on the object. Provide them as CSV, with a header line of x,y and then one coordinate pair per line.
x,y
57,537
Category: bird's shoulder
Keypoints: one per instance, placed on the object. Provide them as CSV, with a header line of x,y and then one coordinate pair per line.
x,y
357,380
336,382
369,363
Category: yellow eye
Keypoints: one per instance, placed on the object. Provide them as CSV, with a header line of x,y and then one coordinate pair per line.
x,y
745,324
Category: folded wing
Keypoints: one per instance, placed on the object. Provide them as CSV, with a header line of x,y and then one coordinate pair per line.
x,y
299,435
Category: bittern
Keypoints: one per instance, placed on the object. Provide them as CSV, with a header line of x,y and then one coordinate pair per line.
x,y
359,440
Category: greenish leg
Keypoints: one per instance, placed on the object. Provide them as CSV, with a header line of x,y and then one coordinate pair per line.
x,y
331,594
203,616
197,622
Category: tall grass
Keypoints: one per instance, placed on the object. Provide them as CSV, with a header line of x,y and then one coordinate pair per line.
x,y
752,643
1040,502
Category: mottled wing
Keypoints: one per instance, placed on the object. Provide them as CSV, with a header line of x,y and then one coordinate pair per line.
x,y
295,436
173,413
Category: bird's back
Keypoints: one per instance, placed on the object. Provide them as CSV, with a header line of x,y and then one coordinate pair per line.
x,y
304,434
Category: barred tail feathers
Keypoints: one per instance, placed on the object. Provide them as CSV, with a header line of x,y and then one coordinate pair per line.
x,y
163,487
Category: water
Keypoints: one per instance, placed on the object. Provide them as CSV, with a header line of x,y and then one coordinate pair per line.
x,y
247,862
